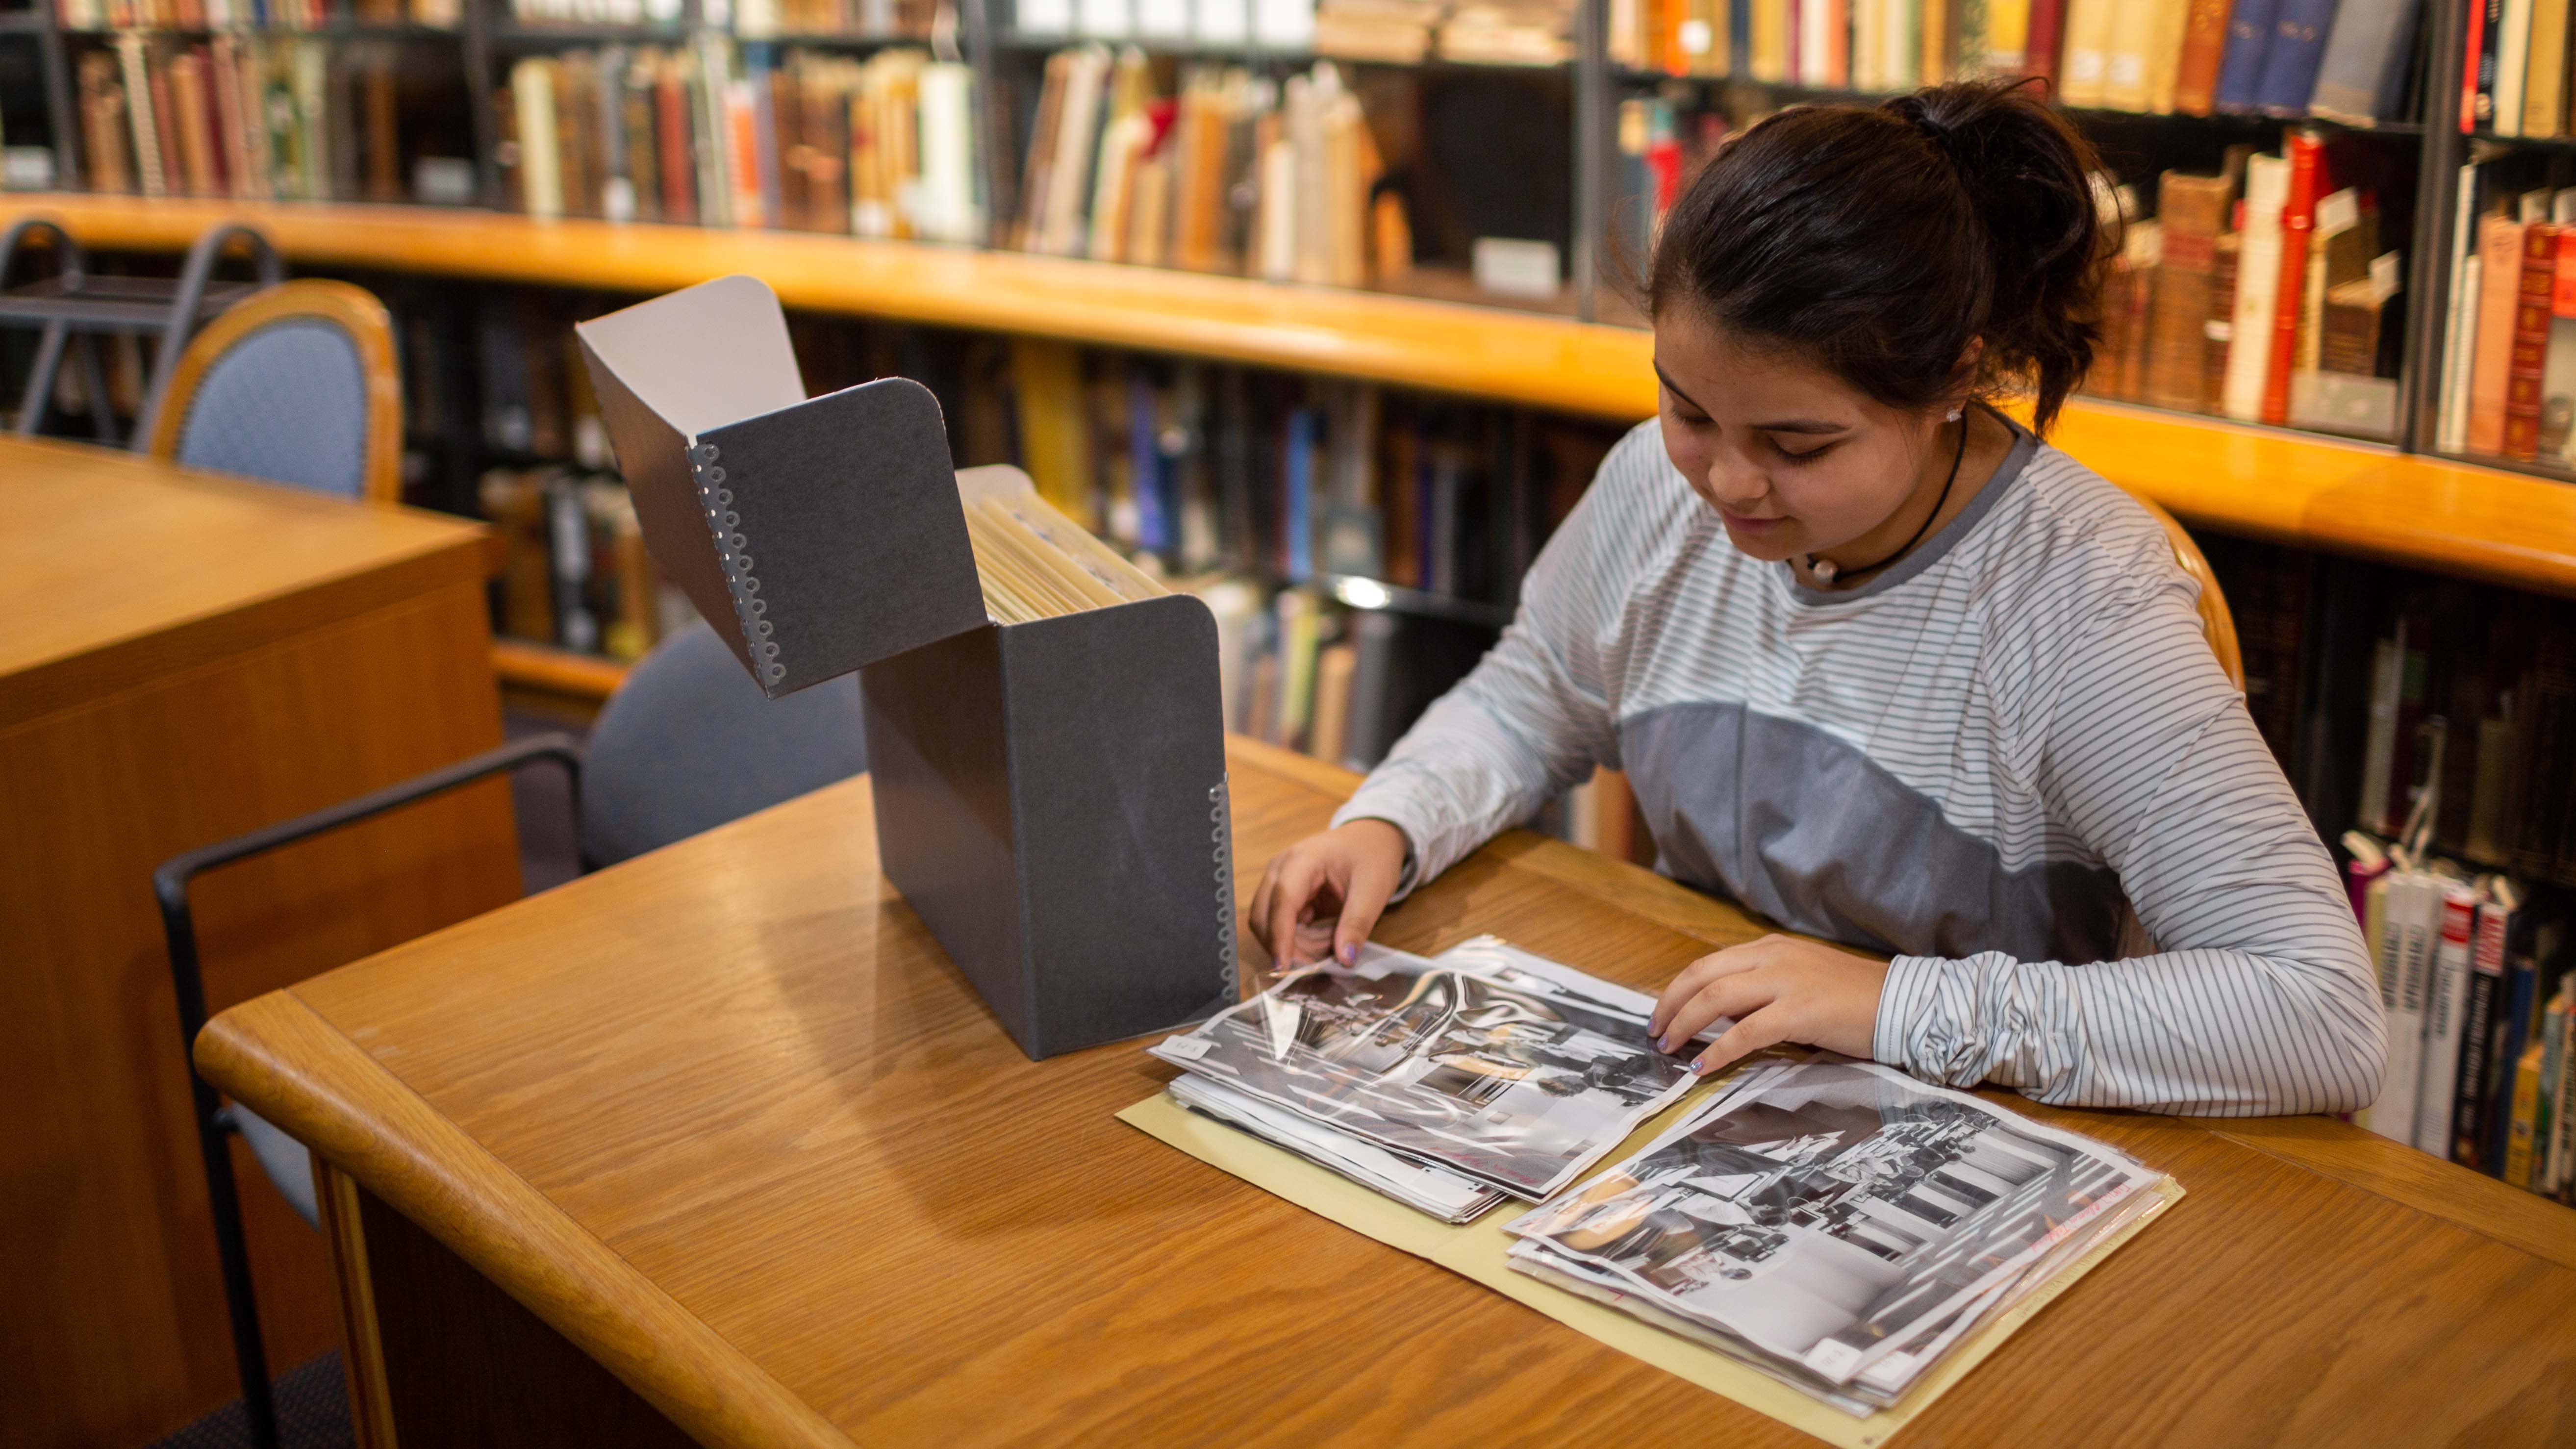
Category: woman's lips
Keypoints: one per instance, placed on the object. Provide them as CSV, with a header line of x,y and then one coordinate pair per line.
x,y
1745,523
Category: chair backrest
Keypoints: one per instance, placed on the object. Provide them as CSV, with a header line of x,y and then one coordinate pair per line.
x,y
295,385
688,742
2216,623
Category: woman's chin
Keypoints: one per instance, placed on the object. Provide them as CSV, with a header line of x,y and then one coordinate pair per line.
x,y
1768,539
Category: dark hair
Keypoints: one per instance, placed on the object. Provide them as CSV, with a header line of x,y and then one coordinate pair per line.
x,y
1881,241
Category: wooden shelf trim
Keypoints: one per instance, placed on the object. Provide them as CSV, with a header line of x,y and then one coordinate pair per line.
x,y
555,671
2359,499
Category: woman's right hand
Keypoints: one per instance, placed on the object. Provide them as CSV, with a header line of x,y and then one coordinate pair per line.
x,y
1323,895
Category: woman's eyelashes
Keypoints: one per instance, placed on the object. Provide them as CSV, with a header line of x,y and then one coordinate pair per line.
x,y
1795,458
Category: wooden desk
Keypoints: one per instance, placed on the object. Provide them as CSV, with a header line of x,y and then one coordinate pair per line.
x,y
184,658
726,1120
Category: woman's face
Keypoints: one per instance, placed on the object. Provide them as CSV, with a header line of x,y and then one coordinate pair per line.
x,y
1793,460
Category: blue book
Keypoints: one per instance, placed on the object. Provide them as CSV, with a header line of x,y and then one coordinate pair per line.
x,y
1297,501
1739,38
2364,75
1154,531
2290,63
2249,36
2513,1033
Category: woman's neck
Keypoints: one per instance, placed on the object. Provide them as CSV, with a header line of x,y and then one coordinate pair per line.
x,y
1931,506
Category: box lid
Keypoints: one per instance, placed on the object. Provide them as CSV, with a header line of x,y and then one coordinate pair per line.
x,y
827,530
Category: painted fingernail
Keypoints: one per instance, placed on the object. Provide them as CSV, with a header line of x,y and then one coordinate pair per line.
x,y
1351,953
1700,1068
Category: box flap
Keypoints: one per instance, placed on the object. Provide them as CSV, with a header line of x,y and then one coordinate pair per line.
x,y
828,531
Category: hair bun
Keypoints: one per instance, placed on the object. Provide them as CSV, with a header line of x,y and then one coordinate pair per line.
x,y
1885,242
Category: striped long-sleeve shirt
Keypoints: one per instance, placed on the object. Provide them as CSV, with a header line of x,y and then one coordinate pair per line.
x,y
1980,762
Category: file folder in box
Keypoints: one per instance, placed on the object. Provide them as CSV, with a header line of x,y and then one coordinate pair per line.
x,y
1050,796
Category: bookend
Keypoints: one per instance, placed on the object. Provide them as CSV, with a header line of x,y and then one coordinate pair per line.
x,y
1050,796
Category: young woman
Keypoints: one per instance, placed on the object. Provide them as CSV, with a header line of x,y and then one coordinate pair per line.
x,y
1889,669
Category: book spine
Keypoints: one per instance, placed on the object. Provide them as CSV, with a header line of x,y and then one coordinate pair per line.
x,y
2290,63
2477,1037
2544,1096
2250,24
2475,25
2298,222
2088,50
2512,68
2401,997
2529,360
2204,44
733,553
2491,345
2046,36
2482,59
2544,87
2526,1107
2353,76
2444,1021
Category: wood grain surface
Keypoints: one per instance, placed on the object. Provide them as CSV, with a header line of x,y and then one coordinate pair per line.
x,y
116,568
186,658
2346,497
733,1085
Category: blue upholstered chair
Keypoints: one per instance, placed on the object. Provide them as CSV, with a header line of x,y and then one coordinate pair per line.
x,y
689,742
686,744
297,385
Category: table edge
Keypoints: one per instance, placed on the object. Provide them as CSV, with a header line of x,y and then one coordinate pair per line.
x,y
285,1061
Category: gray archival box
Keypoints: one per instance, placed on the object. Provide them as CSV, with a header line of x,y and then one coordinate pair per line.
x,y
1050,796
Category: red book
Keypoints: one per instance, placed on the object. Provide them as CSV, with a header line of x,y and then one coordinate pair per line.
x,y
2047,32
2531,314
2298,223
672,142
2469,68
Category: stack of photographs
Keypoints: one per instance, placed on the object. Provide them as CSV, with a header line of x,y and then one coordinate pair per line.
x,y
1445,1083
1834,1224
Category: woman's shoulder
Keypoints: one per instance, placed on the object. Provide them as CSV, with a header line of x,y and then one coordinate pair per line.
x,y
2076,549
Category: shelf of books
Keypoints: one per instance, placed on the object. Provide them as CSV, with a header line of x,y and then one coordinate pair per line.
x,y
1311,306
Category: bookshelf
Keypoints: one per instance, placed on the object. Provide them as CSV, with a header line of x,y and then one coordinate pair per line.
x,y
2358,499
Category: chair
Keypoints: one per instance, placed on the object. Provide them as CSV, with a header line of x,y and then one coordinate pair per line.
x,y
687,743
2216,623
668,756
72,309
296,385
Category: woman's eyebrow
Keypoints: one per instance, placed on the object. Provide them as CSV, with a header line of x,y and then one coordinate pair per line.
x,y
1802,425
1672,387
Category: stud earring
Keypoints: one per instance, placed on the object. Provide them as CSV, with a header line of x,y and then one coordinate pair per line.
x,y
1955,414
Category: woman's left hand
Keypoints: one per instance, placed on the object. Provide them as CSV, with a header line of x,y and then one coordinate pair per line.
x,y
1777,989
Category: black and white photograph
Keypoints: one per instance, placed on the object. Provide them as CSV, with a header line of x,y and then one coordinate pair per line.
x,y
1836,1214
1516,1085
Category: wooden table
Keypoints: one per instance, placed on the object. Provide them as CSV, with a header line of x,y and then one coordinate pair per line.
x,y
725,1120
186,657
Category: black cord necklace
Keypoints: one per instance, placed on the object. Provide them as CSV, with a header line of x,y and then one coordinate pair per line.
x,y
1824,571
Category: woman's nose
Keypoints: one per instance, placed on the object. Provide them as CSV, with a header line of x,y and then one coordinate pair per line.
x,y
1734,483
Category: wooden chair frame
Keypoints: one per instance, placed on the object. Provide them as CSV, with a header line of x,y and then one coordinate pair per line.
x,y
2217,623
354,311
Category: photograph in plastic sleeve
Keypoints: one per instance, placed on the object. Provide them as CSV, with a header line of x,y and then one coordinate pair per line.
x,y
1837,1214
1418,1185
1514,1085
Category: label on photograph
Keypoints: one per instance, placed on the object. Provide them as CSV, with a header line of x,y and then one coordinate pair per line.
x,y
1185,1046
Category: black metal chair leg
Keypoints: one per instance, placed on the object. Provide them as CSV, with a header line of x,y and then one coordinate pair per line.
x,y
232,1246
38,400
102,411
187,980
